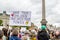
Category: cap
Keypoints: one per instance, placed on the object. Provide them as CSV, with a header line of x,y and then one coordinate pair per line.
x,y
43,27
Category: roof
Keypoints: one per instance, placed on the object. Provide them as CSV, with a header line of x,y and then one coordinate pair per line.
x,y
3,13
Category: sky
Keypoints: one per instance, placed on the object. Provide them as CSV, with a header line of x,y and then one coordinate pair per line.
x,y
35,6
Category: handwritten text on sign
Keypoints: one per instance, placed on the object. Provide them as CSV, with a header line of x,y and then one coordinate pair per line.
x,y
20,18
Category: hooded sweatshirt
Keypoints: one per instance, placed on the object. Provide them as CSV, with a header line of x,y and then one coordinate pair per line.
x,y
14,38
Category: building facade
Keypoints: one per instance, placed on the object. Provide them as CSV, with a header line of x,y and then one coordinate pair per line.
x,y
5,18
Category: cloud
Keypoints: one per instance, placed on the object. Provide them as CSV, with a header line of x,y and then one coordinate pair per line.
x,y
35,6
15,4
52,11
35,2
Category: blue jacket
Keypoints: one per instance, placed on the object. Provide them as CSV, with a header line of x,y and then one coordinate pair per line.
x,y
14,38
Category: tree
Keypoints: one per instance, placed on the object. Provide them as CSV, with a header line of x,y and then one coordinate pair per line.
x,y
1,23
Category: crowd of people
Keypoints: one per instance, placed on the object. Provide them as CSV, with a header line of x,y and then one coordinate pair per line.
x,y
34,34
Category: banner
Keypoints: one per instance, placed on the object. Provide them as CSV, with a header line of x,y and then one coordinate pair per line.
x,y
20,18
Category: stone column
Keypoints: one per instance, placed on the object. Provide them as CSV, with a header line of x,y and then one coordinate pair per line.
x,y
43,13
43,9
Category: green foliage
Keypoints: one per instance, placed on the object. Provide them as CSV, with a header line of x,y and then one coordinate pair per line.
x,y
14,26
27,27
1,23
20,27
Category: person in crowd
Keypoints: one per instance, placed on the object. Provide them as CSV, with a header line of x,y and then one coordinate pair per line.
x,y
1,35
20,34
14,35
52,35
48,32
42,35
5,36
33,36
26,35
57,34
11,32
